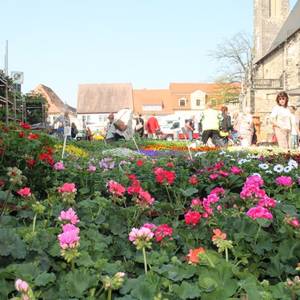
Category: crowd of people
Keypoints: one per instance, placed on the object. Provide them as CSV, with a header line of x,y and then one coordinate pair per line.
x,y
215,127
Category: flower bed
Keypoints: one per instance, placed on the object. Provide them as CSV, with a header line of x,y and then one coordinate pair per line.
x,y
94,226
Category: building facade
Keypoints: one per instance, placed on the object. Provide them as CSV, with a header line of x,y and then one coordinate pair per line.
x,y
278,69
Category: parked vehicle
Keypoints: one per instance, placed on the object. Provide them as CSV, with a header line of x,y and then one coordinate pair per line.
x,y
172,131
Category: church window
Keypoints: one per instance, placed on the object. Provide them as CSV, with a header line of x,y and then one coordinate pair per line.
x,y
198,102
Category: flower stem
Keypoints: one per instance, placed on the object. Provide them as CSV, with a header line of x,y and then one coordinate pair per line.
x,y
210,261
226,254
109,294
169,197
145,260
257,234
34,222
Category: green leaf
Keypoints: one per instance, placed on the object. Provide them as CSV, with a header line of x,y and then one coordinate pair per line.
x,y
77,282
44,278
189,192
187,291
11,244
84,260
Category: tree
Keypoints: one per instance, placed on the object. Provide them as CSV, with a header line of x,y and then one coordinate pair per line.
x,y
235,55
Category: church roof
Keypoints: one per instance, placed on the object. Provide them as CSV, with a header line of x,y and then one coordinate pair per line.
x,y
104,98
290,26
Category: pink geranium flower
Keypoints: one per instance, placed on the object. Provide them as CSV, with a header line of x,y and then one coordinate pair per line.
x,y
259,212
163,231
21,286
91,169
59,166
67,188
140,234
24,192
235,170
69,216
116,188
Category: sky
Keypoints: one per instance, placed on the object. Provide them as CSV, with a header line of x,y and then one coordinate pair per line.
x,y
149,43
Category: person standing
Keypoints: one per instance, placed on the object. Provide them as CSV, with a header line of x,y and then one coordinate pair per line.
x,y
282,121
188,129
74,130
225,126
244,126
110,129
152,127
139,127
295,132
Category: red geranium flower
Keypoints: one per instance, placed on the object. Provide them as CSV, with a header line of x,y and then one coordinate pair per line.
x,y
33,136
192,218
25,125
139,162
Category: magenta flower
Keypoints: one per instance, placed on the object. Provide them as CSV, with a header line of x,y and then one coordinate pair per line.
x,y
235,170
67,188
68,216
267,202
259,212
294,223
284,181
213,176
59,166
24,192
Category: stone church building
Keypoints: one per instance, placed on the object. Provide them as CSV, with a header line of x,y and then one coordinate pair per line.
x,y
276,57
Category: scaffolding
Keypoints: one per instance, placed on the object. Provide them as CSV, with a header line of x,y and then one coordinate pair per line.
x,y
6,105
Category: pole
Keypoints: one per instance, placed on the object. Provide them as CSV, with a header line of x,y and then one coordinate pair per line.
x,y
6,59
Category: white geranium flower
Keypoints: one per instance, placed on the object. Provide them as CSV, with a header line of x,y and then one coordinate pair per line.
x,y
263,166
287,169
278,168
293,163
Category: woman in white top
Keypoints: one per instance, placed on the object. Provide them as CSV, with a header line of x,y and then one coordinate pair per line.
x,y
281,121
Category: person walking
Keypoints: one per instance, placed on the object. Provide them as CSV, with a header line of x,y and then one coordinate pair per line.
x,y
281,119
210,120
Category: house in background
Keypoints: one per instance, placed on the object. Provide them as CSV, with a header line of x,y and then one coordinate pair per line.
x,y
96,101
152,101
56,107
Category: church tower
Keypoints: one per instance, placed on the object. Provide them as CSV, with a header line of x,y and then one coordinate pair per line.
x,y
269,16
